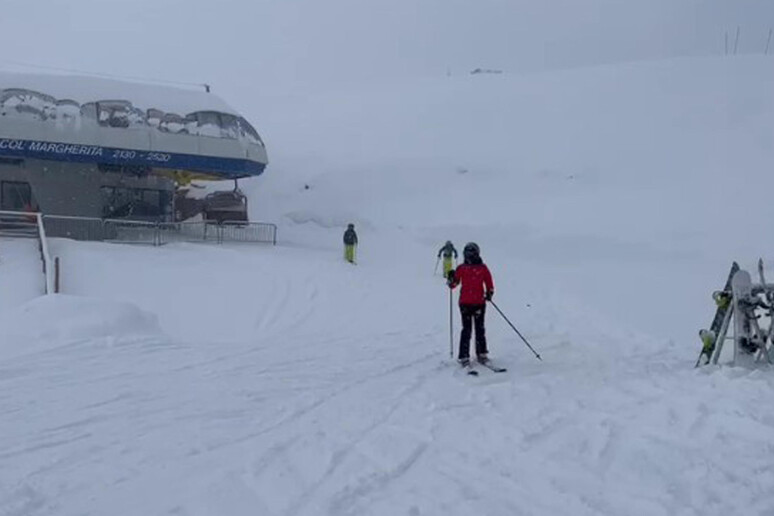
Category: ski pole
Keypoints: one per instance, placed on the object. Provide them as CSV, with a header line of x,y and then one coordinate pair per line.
x,y
451,324
435,271
514,329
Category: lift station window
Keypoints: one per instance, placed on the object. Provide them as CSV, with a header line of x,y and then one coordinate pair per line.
x,y
16,196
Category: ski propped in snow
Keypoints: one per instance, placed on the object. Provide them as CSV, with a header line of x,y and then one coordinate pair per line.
x,y
709,337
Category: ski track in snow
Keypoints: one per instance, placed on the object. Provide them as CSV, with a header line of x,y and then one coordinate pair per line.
x,y
376,422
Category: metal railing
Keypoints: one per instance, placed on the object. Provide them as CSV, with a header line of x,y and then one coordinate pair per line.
x,y
18,224
188,232
14,224
157,233
49,271
131,231
248,232
77,228
35,225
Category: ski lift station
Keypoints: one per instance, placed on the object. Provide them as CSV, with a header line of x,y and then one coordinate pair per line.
x,y
92,147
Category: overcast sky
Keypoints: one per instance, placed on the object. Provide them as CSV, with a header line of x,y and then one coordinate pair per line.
x,y
270,45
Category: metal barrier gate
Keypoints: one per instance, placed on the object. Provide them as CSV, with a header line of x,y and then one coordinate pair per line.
x,y
157,233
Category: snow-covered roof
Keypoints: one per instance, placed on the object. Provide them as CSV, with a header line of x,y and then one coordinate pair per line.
x,y
83,89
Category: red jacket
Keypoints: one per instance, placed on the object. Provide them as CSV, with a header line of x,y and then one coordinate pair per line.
x,y
476,282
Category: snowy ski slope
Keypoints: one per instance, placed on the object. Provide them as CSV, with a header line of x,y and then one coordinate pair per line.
x,y
199,380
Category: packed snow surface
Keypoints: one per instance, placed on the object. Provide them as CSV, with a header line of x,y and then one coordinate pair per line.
x,y
198,380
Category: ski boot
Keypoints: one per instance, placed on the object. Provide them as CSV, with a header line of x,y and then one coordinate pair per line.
x,y
749,346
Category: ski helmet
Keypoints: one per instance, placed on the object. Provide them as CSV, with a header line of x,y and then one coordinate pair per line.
x,y
350,226
471,252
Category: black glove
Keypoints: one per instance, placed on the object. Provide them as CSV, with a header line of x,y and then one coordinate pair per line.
x,y
488,295
450,278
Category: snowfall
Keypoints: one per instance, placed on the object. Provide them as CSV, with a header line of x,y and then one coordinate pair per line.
x,y
608,202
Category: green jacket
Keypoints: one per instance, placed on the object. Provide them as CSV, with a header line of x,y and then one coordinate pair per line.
x,y
447,251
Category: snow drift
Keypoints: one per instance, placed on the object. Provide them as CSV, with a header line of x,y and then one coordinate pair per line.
x,y
58,319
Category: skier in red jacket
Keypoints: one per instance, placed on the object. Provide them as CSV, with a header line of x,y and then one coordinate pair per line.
x,y
477,289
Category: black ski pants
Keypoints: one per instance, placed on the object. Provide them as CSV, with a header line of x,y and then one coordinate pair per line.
x,y
472,315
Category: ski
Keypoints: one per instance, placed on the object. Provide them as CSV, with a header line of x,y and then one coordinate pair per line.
x,y
469,369
760,272
770,302
746,338
493,368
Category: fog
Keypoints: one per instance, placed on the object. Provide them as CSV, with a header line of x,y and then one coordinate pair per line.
x,y
246,46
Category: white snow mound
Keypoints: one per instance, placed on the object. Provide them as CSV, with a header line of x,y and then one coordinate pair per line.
x,y
63,318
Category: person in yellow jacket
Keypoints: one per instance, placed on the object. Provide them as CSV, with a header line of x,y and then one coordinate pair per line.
x,y
447,251
350,243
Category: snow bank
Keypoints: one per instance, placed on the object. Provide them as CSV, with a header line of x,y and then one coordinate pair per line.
x,y
21,275
59,319
332,221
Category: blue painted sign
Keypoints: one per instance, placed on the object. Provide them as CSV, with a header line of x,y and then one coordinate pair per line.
x,y
228,168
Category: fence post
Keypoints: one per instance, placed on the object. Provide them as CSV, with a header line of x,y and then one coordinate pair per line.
x,y
56,275
42,255
736,40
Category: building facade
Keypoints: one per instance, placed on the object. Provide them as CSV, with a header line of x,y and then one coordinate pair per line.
x,y
87,147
